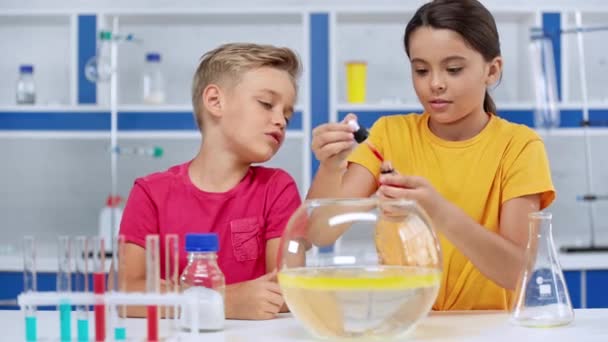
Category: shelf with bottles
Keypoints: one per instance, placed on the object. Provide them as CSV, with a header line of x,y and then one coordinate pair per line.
x,y
596,59
44,41
377,39
180,39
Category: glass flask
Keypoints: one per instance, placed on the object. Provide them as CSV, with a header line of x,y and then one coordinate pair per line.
x,y
541,298
546,112
359,268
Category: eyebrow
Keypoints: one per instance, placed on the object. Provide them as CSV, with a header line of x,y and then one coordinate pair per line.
x,y
447,59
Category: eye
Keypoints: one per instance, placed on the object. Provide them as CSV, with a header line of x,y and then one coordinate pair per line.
x,y
421,72
265,104
287,119
455,70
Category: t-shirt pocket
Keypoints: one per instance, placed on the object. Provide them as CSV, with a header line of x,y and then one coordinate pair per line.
x,y
245,242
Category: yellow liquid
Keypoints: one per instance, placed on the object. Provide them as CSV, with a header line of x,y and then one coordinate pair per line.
x,y
359,302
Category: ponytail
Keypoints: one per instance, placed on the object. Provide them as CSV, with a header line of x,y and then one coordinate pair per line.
x,y
488,104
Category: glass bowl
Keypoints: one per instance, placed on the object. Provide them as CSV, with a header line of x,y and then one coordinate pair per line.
x,y
359,268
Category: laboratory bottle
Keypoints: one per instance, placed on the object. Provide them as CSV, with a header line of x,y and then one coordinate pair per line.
x,y
106,230
26,88
153,84
541,297
204,281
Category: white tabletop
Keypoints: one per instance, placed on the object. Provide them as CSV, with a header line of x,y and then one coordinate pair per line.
x,y
568,261
589,326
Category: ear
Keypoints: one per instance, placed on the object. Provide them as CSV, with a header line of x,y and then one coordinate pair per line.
x,y
494,71
213,101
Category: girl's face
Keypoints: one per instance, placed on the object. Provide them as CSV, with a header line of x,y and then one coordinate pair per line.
x,y
450,78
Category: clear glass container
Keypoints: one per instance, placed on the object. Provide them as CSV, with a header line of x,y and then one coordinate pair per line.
x,y
153,82
542,298
359,268
204,281
26,88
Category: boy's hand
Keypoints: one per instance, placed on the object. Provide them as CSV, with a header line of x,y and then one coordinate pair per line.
x,y
254,299
332,143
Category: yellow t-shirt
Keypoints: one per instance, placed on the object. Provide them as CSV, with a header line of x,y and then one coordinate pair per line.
x,y
503,161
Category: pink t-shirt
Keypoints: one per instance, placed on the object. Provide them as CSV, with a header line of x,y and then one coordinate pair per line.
x,y
245,217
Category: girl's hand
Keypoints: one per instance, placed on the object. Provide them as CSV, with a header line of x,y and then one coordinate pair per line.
x,y
397,186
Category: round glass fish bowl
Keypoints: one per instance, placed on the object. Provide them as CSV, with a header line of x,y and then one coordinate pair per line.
x,y
359,268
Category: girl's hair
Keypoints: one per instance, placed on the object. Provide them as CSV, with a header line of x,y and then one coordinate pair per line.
x,y
470,19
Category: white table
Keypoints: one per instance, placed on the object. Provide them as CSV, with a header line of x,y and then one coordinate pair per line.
x,y
589,326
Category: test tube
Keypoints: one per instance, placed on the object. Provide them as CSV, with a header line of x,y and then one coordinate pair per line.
x,y
64,287
152,283
119,285
99,287
81,284
171,274
29,285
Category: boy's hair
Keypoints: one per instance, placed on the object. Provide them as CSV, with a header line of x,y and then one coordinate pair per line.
x,y
470,19
226,64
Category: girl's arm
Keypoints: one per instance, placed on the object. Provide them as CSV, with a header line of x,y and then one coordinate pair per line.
x,y
499,257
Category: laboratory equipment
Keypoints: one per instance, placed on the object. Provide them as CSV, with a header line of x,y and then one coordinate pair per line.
x,y
110,213
153,84
360,133
116,299
81,285
545,77
148,151
26,88
172,276
64,286
152,282
546,112
99,67
541,298
379,281
203,280
99,287
30,280
119,312
356,79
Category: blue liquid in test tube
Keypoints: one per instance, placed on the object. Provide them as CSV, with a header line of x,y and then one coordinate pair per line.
x,y
29,285
64,287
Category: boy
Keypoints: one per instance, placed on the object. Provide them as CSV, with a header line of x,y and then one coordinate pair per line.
x,y
243,97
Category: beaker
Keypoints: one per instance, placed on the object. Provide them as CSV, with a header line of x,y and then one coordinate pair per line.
x,y
541,298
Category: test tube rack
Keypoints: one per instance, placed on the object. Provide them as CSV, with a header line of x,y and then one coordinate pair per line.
x,y
109,304
112,300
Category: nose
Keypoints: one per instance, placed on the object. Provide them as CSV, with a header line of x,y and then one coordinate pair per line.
x,y
278,119
437,83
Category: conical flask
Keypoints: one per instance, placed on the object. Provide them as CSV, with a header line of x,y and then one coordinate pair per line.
x,y
542,298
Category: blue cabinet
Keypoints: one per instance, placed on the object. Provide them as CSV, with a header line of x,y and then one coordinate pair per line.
x,y
573,282
597,285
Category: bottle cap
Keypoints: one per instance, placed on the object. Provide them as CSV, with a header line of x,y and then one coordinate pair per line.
x,y
153,57
200,242
26,69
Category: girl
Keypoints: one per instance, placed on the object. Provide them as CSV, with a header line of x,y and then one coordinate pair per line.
x,y
476,175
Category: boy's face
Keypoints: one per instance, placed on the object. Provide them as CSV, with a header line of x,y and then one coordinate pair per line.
x,y
256,112
450,78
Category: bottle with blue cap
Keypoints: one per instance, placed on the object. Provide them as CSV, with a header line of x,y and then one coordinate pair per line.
x,y
153,84
204,281
26,88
